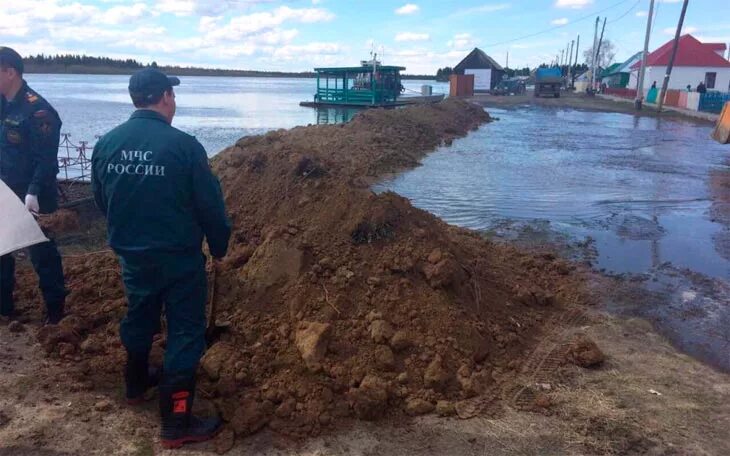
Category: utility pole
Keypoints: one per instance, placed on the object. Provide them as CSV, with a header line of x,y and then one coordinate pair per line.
x,y
598,49
665,84
507,66
577,48
593,51
642,70
570,64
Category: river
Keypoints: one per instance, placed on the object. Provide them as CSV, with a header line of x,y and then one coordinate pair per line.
x,y
217,110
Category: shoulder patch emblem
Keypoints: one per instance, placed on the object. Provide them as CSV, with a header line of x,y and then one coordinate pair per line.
x,y
31,97
40,114
14,137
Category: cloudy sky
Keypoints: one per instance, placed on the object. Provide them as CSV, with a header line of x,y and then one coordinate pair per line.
x,y
297,35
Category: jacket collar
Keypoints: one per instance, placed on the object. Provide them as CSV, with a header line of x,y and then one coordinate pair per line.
x,y
18,98
148,114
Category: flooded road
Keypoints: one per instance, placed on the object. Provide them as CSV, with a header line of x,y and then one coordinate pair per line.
x,y
631,195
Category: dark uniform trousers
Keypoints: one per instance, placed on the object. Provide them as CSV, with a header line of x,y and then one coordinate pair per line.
x,y
29,136
47,264
176,282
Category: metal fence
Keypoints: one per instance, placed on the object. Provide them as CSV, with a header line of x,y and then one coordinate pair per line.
x,y
713,101
74,160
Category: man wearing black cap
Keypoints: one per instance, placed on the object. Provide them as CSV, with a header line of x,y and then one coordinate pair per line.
x,y
29,135
160,198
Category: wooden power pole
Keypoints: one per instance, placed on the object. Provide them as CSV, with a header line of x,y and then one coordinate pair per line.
x,y
665,84
642,70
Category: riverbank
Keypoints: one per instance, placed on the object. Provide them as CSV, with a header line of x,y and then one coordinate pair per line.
x,y
599,103
486,331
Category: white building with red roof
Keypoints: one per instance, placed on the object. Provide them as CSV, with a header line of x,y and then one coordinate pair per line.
x,y
695,62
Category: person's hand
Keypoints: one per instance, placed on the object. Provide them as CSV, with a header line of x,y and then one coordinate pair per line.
x,y
31,203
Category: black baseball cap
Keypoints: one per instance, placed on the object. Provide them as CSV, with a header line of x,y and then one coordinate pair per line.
x,y
150,82
10,58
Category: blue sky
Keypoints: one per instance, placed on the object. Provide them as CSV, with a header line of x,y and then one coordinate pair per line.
x,y
297,35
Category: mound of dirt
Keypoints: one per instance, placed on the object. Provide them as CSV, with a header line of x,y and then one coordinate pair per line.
x,y
339,302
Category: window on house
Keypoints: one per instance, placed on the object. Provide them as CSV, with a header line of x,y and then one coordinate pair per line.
x,y
710,80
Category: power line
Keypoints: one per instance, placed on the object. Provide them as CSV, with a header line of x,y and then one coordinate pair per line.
x,y
582,18
626,13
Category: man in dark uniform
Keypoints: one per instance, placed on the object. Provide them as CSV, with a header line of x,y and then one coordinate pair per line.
x,y
160,198
29,135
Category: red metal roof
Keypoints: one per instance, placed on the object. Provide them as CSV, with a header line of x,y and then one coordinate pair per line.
x,y
716,46
690,52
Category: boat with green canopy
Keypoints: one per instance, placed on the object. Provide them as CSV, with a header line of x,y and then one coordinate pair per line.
x,y
367,85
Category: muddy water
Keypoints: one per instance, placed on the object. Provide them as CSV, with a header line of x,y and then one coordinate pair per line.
x,y
629,194
635,187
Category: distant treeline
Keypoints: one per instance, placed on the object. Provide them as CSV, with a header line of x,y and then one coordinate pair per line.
x,y
83,64
442,74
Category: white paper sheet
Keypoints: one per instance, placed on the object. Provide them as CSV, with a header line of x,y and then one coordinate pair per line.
x,y
18,228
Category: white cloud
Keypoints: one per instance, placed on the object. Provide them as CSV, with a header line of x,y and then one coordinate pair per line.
x,y
410,36
560,21
461,41
482,9
242,26
409,8
642,13
297,52
573,4
671,31
124,14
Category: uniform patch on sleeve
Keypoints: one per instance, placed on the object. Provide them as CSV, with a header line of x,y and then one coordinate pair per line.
x,y
46,128
31,97
14,137
40,114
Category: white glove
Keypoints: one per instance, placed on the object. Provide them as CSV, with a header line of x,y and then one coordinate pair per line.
x,y
31,203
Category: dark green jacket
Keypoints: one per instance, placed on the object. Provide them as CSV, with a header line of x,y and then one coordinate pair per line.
x,y
154,184
30,130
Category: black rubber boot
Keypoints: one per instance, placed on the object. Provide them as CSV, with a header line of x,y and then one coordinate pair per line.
x,y
179,425
54,313
139,377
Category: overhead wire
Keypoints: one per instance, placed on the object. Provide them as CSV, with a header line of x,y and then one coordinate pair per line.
x,y
582,18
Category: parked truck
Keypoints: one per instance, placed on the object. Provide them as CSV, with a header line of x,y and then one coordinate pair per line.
x,y
548,82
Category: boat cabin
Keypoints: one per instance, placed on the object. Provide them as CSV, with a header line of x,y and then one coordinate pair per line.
x,y
367,85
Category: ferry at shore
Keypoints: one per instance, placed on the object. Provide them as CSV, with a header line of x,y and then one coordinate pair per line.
x,y
370,85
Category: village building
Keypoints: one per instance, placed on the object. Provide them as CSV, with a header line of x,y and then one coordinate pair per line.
x,y
487,72
619,75
695,62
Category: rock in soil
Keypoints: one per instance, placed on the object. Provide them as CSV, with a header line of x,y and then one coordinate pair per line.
x,y
585,353
16,327
312,340
445,408
418,406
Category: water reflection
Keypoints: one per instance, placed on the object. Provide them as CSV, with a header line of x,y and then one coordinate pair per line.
x,y
330,116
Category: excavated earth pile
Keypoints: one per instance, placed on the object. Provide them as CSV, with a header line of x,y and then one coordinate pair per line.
x,y
335,301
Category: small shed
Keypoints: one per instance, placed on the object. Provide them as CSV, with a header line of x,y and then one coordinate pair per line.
x,y
487,72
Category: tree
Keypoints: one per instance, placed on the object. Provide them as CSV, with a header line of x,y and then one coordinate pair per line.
x,y
607,52
443,73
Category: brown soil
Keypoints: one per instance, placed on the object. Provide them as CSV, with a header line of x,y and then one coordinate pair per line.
x,y
61,222
338,302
